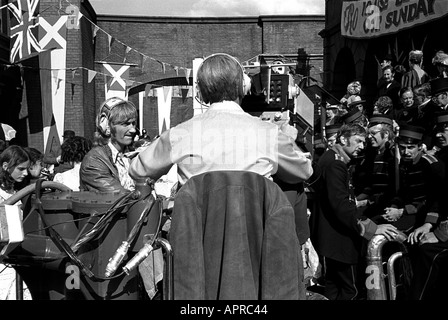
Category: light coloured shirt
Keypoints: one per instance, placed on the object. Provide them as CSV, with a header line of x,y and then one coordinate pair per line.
x,y
223,138
122,163
69,178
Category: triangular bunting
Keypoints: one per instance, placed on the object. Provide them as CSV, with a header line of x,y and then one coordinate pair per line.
x,y
142,62
128,49
166,92
184,94
148,87
24,105
54,76
187,74
110,41
129,82
58,84
95,31
164,126
90,75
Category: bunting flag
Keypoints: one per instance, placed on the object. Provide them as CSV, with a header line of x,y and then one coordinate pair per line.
x,y
24,29
115,82
90,75
184,92
110,41
148,87
52,35
166,182
164,107
95,31
24,105
128,49
187,75
53,32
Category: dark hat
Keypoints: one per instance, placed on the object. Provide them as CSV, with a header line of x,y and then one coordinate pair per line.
x,y
380,118
332,129
355,103
441,117
410,133
351,116
69,134
439,85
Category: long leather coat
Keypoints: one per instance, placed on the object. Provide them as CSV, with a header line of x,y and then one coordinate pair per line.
x,y
234,237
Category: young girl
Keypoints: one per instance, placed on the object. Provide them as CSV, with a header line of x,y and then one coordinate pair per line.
x,y
73,152
15,163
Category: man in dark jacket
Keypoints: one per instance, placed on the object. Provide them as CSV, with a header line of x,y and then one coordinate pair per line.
x,y
429,251
337,231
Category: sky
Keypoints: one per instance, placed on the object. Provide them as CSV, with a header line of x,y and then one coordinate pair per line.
x,y
208,8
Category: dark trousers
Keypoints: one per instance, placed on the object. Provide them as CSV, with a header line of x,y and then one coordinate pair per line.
x,y
429,268
340,280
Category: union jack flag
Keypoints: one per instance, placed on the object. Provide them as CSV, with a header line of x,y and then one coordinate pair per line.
x,y
24,29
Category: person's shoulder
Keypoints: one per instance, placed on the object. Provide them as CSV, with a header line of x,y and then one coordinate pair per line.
x,y
328,157
97,152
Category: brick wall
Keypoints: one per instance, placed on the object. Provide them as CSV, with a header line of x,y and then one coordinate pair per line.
x,y
177,41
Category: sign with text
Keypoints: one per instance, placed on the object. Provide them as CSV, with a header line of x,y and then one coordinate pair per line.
x,y
373,18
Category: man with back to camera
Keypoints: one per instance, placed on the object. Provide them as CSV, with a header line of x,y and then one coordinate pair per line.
x,y
224,137
337,232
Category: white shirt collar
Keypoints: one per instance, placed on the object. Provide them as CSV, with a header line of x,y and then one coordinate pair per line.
x,y
115,152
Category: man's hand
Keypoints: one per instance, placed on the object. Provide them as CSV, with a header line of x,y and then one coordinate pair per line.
x,y
416,235
387,230
429,238
392,214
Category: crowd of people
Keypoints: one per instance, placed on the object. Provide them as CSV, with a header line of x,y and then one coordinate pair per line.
x,y
381,170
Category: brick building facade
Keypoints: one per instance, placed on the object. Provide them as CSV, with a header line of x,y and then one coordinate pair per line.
x,y
174,41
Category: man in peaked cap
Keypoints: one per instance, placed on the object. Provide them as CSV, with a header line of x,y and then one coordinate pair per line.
x,y
439,92
429,252
421,183
336,230
377,171
331,132
354,116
